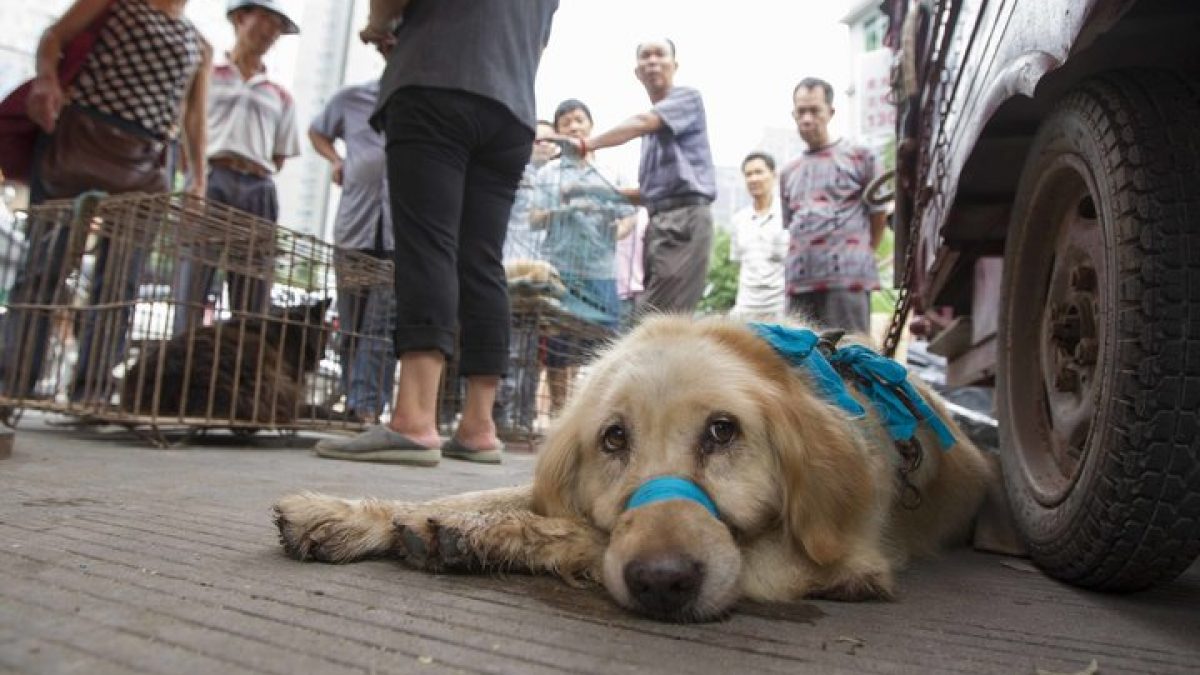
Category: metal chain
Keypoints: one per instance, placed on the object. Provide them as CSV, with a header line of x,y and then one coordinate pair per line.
x,y
937,157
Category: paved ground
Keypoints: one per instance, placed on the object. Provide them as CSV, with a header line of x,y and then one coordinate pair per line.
x,y
119,557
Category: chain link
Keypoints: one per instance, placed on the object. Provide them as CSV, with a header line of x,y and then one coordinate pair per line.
x,y
939,102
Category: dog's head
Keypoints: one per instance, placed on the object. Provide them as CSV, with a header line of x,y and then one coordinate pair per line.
x,y
709,402
301,330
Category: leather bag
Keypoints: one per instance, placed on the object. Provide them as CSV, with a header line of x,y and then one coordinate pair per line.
x,y
87,152
18,133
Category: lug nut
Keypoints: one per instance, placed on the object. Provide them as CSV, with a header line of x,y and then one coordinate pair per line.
x,y
1086,351
1066,379
1065,328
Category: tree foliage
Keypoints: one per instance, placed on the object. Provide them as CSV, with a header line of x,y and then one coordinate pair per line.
x,y
721,288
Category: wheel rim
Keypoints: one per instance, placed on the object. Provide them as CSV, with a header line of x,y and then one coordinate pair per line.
x,y
1057,380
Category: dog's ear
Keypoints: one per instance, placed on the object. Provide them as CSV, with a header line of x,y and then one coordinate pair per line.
x,y
315,312
829,496
558,462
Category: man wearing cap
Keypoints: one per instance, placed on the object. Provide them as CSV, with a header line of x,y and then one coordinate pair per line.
x,y
676,181
251,131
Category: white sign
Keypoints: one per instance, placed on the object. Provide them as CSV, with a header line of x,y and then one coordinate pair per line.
x,y
876,116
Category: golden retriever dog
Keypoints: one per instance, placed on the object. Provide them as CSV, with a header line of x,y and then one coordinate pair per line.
x,y
767,490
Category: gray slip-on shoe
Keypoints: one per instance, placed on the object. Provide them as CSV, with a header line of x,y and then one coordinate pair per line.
x,y
379,444
455,450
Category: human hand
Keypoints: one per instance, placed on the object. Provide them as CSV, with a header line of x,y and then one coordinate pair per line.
x,y
338,173
571,146
45,102
382,38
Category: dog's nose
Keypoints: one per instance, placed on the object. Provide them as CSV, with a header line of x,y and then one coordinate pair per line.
x,y
664,584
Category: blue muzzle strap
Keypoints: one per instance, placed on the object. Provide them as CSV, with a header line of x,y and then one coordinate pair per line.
x,y
664,488
881,380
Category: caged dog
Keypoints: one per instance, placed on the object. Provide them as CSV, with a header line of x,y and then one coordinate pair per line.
x,y
701,462
250,369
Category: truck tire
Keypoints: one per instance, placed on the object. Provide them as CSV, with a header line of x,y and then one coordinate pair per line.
x,y
1098,364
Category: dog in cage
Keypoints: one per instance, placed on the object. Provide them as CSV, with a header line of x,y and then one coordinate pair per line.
x,y
246,369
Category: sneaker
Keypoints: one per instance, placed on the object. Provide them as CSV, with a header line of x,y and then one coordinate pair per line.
x,y
379,444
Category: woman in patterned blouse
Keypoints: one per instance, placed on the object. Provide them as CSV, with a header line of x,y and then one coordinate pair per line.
x,y
144,80
147,71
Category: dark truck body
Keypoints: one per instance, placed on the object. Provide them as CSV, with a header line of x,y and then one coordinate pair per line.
x,y
1004,63
1048,224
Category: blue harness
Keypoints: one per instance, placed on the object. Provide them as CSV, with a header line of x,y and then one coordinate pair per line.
x,y
881,380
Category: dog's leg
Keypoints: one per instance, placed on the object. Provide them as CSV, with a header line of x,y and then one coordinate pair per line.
x,y
873,585
866,575
319,527
518,540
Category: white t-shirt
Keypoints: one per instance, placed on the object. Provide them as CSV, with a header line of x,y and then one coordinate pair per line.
x,y
254,119
760,244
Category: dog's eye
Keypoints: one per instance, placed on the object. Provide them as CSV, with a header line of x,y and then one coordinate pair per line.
x,y
721,432
614,438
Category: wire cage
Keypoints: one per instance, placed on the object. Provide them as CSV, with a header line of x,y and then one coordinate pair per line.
x,y
562,263
167,311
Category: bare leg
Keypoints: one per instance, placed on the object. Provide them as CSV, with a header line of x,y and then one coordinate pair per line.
x,y
477,429
415,412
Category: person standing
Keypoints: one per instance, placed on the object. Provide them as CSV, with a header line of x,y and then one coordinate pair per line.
x,y
584,215
459,134
131,100
631,268
676,181
364,227
759,242
831,266
515,410
251,132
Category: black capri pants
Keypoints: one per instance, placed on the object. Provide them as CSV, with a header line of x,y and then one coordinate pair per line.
x,y
454,161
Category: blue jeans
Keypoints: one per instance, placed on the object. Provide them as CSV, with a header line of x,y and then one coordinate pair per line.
x,y
366,317
516,399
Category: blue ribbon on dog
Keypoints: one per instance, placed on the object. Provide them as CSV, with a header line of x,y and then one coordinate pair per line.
x,y
664,488
881,380
798,347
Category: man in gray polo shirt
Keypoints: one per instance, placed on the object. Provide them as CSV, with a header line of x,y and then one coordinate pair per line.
x,y
364,226
676,181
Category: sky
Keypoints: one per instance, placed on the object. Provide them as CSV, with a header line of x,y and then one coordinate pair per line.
x,y
745,58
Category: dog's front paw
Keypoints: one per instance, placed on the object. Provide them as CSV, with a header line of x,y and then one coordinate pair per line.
x,y
319,527
306,523
858,586
434,545
455,551
416,540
